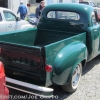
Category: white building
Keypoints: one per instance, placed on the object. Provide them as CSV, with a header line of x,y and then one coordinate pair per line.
x,y
14,4
32,4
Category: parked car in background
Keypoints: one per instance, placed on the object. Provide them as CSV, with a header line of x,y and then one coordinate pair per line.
x,y
10,22
32,19
98,5
4,92
91,3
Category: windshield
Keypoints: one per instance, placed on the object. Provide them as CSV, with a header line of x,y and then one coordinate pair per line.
x,y
88,3
85,3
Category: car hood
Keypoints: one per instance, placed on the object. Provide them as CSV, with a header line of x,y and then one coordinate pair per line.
x,y
24,22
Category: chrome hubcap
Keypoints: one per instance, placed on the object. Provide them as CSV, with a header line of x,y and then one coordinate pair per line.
x,y
76,76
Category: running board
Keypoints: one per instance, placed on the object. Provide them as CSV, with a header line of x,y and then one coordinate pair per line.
x,y
29,88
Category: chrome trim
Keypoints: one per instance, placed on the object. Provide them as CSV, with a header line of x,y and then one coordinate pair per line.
x,y
28,85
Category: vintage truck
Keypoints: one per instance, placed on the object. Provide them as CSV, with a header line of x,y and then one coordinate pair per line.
x,y
54,53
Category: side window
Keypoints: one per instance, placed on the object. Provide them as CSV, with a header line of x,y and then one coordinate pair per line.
x,y
0,17
9,16
51,14
34,1
92,4
60,1
63,15
94,18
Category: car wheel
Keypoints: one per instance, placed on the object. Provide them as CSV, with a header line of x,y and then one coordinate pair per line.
x,y
75,79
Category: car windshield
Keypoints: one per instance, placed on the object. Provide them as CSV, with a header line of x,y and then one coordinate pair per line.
x,y
32,15
85,3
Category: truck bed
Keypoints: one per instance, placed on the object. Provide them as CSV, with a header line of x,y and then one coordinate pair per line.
x,y
46,37
24,53
34,37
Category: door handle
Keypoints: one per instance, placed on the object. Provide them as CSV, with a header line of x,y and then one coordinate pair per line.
x,y
10,26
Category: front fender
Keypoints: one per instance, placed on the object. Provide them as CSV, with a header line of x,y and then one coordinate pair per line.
x,y
66,59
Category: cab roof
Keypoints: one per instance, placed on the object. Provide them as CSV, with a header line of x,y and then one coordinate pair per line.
x,y
84,11
69,6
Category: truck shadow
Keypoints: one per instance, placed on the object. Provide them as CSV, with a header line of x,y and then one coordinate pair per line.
x,y
90,65
59,94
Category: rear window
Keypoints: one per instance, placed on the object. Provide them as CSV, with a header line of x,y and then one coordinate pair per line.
x,y
63,15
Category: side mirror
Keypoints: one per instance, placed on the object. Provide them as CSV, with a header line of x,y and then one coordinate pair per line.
x,y
18,19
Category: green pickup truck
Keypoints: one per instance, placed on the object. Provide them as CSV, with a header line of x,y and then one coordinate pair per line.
x,y
54,53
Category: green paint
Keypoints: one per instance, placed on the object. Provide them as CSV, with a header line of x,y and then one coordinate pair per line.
x,y
60,43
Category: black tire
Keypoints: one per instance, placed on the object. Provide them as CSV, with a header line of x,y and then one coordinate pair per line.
x,y
72,85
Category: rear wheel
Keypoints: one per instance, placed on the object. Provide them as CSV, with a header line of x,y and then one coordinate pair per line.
x,y
74,81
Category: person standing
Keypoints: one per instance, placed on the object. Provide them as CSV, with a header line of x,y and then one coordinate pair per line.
x,y
39,10
22,10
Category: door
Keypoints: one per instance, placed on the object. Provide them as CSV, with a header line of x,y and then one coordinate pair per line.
x,y
96,34
3,27
10,19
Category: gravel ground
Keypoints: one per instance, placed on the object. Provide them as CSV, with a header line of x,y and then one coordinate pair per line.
x,y
88,89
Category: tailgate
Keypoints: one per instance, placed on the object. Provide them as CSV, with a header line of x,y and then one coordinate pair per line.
x,y
23,63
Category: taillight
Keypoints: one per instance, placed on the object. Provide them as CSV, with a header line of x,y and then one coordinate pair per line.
x,y
1,67
28,5
48,68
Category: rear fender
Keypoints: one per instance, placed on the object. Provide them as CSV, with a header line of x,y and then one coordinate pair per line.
x,y
66,60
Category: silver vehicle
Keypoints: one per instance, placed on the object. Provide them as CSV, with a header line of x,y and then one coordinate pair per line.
x,y
10,22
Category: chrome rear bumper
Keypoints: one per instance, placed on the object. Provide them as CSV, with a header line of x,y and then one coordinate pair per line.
x,y
29,88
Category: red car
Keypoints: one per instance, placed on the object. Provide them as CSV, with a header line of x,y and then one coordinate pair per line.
x,y
4,92
98,13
